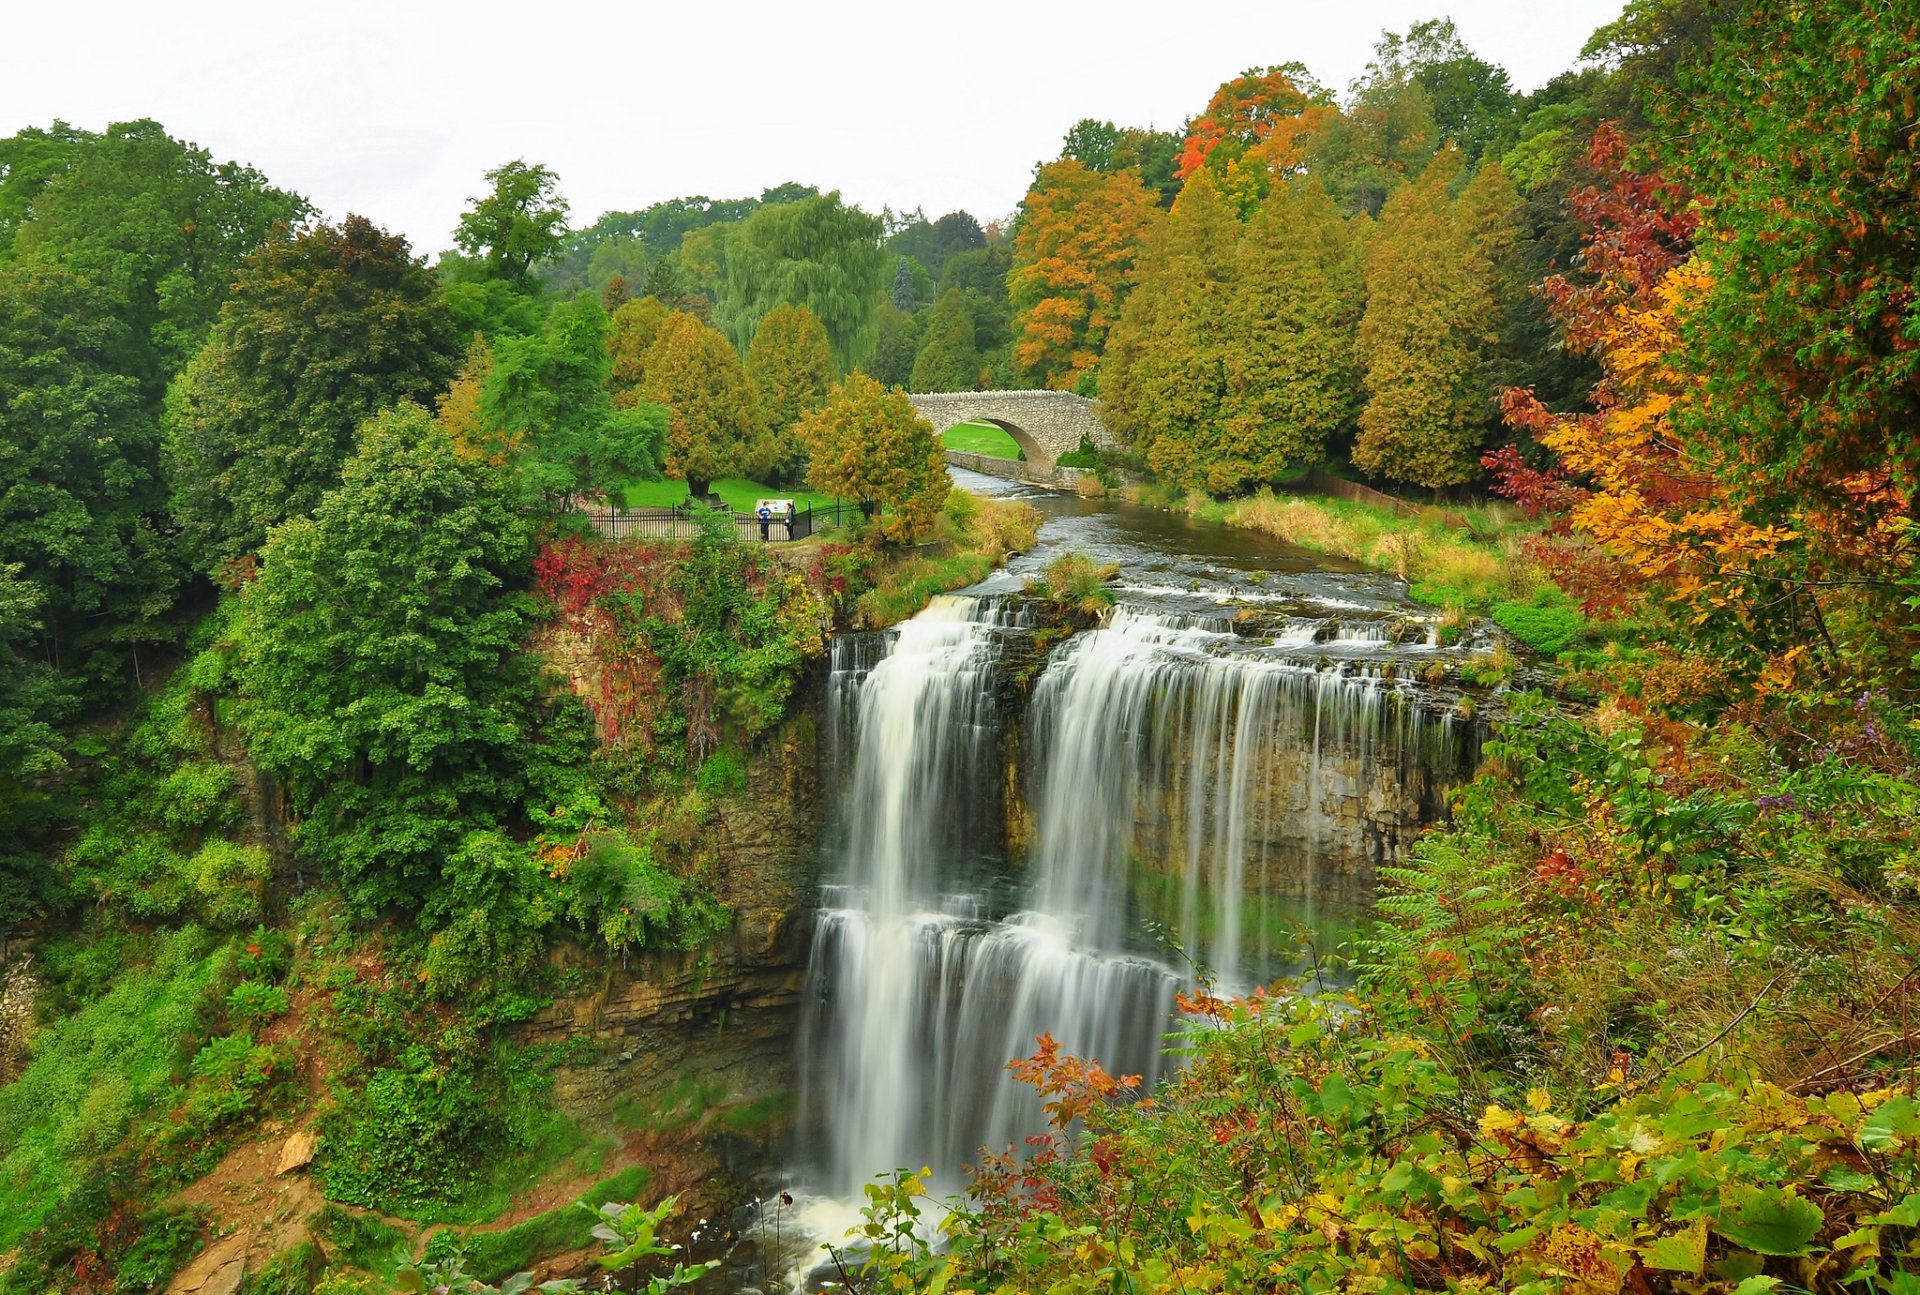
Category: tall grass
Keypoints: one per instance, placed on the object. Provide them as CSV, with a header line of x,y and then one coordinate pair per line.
x,y
99,1072
1474,563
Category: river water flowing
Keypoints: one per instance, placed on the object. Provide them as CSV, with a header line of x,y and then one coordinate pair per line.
x,y
1056,835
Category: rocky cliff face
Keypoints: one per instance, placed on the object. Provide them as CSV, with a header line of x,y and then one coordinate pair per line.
x,y
702,1041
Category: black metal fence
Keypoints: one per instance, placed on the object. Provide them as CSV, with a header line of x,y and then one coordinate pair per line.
x,y
679,523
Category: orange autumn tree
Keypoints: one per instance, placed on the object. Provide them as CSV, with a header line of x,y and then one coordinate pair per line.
x,y
1254,132
1073,256
1654,500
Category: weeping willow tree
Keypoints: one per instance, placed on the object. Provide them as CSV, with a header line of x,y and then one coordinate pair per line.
x,y
818,253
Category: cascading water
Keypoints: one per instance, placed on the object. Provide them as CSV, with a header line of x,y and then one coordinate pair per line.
x,y
920,995
1183,779
933,965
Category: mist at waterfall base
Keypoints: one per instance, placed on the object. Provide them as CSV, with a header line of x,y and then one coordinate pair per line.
x,y
1189,793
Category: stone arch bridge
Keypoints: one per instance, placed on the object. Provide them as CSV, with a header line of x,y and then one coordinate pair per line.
x,y
1044,424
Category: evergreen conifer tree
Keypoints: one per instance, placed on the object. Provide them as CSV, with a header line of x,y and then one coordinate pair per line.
x,y
790,365
1292,377
1429,322
948,359
711,418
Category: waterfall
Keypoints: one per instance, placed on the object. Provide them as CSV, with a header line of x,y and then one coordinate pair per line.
x,y
1175,773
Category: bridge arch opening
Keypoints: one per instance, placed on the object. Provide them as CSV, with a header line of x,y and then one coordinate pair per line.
x,y
1031,451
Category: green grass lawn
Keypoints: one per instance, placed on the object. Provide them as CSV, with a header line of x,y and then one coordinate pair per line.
x,y
740,494
980,438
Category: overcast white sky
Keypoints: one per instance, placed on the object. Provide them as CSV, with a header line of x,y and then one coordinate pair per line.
x,y
393,109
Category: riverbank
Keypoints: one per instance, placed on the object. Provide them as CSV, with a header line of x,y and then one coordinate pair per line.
x,y
1471,561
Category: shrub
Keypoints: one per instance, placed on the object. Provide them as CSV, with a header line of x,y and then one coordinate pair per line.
x,y
252,1004
230,881
1549,623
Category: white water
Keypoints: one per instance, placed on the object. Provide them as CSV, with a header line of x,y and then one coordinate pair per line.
x,y
933,967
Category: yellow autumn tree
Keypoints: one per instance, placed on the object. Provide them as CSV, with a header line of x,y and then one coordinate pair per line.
x,y
867,443
711,415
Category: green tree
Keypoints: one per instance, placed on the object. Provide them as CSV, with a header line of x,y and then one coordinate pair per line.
x,y
81,500
1430,324
323,329
549,397
517,224
29,161
948,360
867,443
1292,375
1806,336
711,417
380,663
1164,377
790,365
1471,99
818,253
897,342
160,228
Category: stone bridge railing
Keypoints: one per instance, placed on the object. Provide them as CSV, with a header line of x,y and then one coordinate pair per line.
x,y
1044,424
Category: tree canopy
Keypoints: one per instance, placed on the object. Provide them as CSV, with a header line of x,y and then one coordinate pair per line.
x,y
324,328
867,443
818,253
517,224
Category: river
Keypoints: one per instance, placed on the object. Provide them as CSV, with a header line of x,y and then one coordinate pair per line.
x,y
1040,834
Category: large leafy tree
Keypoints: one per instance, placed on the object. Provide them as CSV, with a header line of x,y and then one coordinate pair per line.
x,y
867,443
323,329
518,223
790,365
1471,99
81,501
547,396
379,660
1255,131
1079,234
712,419
818,253
161,228
1430,325
1807,336
631,333
29,161
948,359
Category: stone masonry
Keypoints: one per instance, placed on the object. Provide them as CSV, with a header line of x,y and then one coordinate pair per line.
x,y
1044,424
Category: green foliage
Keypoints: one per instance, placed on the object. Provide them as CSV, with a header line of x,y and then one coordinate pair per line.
x,y
160,229
492,1255
620,893
713,421
517,224
631,1235
97,1074
1549,623
323,330
548,395
790,365
294,1271
377,654
1075,583
867,443
817,253
1432,315
444,1131
947,359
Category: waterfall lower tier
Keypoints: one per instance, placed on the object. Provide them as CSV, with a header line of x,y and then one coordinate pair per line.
x,y
1166,775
